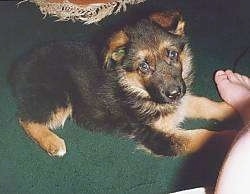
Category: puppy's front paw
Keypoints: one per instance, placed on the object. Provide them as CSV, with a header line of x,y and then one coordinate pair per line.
x,y
54,145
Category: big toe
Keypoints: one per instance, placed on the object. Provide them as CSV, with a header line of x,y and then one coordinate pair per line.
x,y
221,77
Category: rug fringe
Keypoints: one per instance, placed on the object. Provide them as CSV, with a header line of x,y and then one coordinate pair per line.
x,y
88,14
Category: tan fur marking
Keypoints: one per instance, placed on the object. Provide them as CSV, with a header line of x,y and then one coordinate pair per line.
x,y
180,30
134,79
169,20
163,45
191,141
166,45
171,121
142,54
49,141
116,56
165,19
117,40
186,60
59,117
134,83
167,123
148,56
201,107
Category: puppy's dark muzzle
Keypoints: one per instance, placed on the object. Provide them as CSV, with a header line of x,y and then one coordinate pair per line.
x,y
172,94
166,87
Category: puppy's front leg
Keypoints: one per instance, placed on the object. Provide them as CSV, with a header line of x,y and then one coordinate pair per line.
x,y
203,108
181,142
201,139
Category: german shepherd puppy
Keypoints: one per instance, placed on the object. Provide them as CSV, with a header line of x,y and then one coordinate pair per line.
x,y
139,86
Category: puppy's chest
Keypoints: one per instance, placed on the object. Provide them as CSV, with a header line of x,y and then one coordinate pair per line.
x,y
169,122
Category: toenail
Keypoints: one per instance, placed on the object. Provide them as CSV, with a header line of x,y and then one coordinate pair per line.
x,y
220,72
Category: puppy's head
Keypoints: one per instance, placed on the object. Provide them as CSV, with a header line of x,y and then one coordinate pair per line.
x,y
153,56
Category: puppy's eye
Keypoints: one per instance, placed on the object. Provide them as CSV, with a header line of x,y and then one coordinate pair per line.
x,y
173,55
144,67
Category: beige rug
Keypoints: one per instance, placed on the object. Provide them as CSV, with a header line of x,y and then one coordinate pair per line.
x,y
85,11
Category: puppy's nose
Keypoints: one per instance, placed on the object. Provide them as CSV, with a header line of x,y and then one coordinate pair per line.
x,y
173,93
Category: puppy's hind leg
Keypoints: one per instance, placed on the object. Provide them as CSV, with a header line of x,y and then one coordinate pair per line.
x,y
49,141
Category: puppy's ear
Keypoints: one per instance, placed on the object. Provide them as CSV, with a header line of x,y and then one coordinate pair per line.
x,y
115,50
171,21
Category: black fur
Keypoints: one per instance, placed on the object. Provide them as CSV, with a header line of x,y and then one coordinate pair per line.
x,y
61,73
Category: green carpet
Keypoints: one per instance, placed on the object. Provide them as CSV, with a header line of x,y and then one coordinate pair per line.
x,y
101,163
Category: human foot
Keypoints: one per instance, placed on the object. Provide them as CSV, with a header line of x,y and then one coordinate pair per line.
x,y
235,90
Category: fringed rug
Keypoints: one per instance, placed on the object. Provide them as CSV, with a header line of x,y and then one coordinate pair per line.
x,y
85,11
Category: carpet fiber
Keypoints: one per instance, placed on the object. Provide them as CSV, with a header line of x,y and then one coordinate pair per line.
x,y
101,163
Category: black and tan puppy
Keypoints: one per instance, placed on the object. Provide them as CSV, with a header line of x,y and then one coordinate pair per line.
x,y
139,87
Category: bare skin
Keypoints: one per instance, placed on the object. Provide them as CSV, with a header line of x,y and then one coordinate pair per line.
x,y
235,173
235,90
234,177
